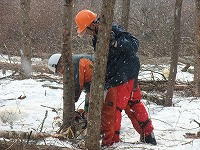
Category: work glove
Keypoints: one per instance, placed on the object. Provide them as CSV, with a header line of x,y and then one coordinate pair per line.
x,y
81,118
80,114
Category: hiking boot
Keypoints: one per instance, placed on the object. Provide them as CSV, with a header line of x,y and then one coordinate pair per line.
x,y
150,139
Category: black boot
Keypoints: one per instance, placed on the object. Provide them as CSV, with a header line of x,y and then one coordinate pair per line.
x,y
150,139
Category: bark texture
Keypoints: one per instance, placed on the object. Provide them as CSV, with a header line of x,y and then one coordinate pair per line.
x,y
197,51
68,77
25,38
174,53
97,85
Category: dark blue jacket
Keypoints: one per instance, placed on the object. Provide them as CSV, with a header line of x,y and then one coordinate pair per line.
x,y
123,62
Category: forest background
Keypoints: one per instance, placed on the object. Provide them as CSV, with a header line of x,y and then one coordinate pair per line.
x,y
150,21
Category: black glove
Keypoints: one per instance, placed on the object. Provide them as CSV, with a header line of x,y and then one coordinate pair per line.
x,y
81,118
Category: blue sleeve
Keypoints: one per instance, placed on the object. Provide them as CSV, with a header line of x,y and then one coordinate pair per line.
x,y
127,42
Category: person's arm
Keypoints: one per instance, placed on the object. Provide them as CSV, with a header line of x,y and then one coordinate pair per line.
x,y
126,42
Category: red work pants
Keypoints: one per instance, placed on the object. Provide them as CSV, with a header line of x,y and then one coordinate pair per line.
x,y
137,112
108,117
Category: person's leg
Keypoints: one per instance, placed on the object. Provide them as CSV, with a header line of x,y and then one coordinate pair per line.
x,y
123,95
108,117
133,119
138,114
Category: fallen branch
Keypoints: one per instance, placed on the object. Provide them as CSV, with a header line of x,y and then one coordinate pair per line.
x,y
52,109
20,145
30,135
161,85
196,122
42,124
52,87
192,135
23,135
64,135
20,97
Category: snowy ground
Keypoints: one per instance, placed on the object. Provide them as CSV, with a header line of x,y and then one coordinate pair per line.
x,y
27,114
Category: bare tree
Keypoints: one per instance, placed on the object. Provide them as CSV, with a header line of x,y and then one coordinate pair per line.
x,y
98,79
174,53
93,4
155,34
25,39
197,52
68,77
125,13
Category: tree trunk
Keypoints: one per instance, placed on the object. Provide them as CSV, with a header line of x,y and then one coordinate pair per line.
x,y
98,79
25,39
92,5
197,52
174,53
68,77
125,13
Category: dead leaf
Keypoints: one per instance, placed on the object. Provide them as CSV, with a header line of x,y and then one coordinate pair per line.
x,y
21,97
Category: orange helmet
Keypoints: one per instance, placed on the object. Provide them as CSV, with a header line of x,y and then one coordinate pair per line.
x,y
84,18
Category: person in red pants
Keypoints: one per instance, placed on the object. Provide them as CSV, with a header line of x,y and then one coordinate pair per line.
x,y
122,71
136,112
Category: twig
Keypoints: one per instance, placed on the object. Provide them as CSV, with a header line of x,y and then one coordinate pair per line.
x,y
80,104
42,124
9,99
81,132
187,142
29,137
196,122
11,145
163,121
52,109
52,87
189,128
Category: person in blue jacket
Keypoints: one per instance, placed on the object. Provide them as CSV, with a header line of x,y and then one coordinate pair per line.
x,y
122,72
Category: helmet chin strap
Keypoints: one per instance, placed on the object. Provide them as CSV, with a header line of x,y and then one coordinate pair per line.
x,y
96,30
96,21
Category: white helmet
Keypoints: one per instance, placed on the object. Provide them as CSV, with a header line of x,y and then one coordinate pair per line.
x,y
53,61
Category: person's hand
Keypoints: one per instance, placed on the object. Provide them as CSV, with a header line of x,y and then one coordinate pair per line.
x,y
80,114
81,118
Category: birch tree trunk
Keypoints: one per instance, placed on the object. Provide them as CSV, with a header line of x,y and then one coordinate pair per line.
x,y
125,13
174,53
98,79
68,77
197,51
25,39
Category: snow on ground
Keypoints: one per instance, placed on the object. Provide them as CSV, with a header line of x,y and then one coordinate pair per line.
x,y
27,114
